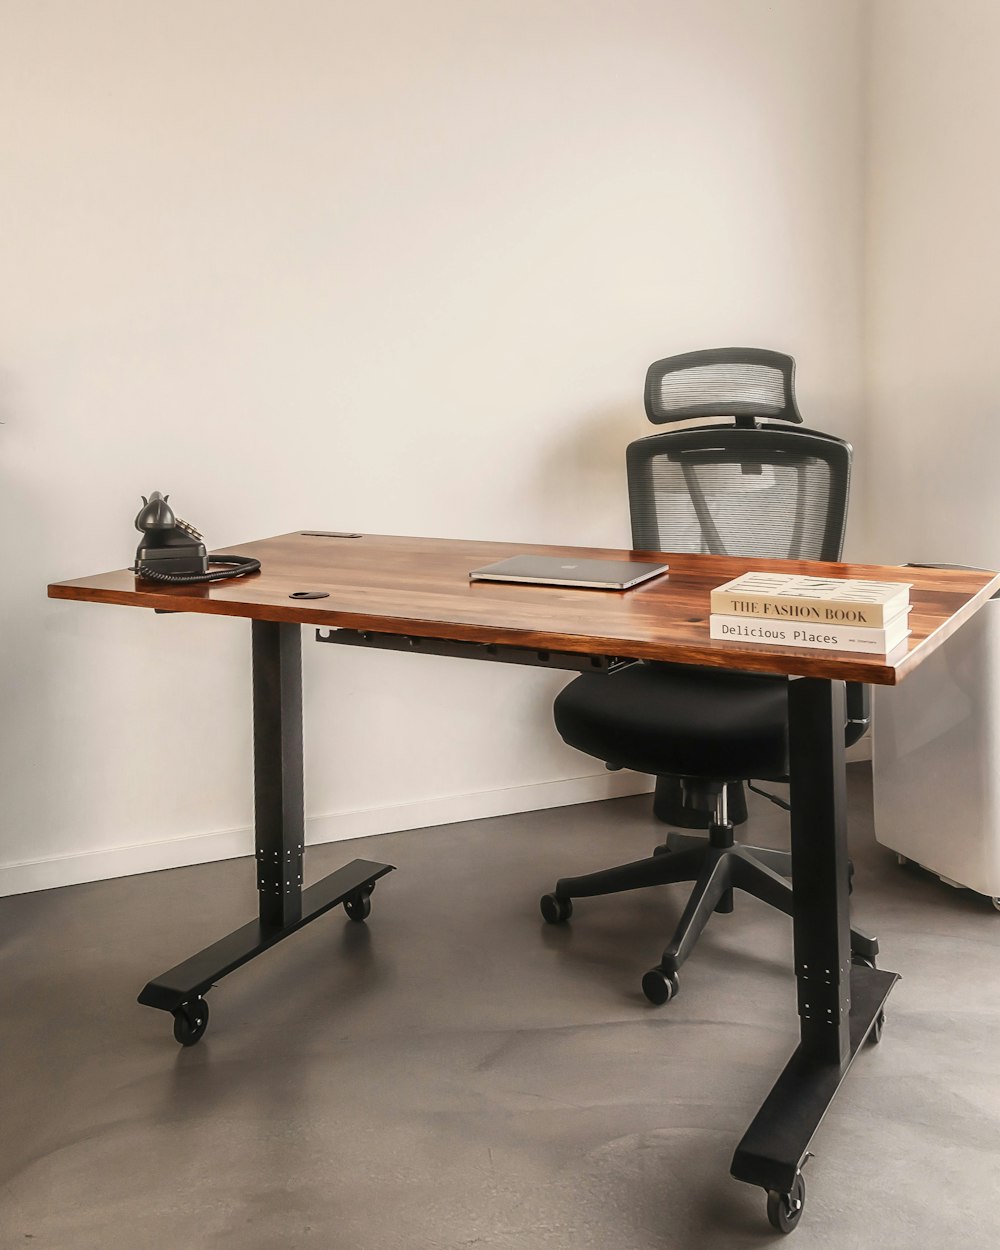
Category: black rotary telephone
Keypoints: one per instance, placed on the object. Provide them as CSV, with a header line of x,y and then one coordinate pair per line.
x,y
173,551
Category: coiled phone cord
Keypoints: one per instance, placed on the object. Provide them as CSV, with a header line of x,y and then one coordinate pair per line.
x,y
240,565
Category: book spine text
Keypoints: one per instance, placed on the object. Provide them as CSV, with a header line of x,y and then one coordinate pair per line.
x,y
798,634
806,611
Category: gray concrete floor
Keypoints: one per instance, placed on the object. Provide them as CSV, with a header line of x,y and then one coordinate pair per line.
x,y
454,1073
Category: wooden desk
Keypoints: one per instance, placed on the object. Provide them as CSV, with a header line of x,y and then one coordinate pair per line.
x,y
414,594
419,587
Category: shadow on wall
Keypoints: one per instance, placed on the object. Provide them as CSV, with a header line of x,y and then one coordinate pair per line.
x,y
28,690
6,396
582,478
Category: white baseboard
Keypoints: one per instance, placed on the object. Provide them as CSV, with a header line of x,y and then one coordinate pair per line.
x,y
204,848
452,808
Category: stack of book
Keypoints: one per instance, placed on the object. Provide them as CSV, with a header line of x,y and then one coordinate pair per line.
x,y
838,614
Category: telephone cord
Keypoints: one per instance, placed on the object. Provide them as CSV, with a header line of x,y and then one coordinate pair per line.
x,y
240,565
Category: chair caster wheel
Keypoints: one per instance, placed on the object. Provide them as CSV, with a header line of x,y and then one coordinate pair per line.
x,y
554,909
359,904
863,961
850,876
785,1210
877,1027
190,1021
660,987
662,849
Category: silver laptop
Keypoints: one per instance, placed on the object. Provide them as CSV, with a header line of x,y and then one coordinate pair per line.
x,y
566,571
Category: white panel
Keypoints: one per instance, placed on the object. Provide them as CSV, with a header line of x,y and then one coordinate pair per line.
x,y
935,766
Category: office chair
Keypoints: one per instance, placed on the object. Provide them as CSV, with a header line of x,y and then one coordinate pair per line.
x,y
754,486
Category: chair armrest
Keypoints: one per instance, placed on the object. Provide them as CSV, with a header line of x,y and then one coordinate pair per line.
x,y
859,711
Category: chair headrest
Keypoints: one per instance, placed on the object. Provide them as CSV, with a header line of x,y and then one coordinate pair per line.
x,y
722,382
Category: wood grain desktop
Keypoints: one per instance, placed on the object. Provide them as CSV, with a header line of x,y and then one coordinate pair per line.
x,y
420,587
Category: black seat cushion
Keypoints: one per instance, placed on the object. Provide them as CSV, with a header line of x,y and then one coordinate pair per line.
x,y
679,720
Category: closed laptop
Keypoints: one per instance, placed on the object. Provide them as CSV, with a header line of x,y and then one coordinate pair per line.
x,y
568,571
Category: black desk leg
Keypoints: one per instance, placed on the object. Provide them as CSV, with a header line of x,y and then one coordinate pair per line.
x,y
279,823
278,788
839,1005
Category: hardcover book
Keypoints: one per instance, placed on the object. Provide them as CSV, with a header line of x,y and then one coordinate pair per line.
x,y
817,600
806,634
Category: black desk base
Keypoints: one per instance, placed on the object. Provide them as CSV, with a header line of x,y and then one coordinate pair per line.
x,y
191,979
279,812
279,835
776,1145
839,1005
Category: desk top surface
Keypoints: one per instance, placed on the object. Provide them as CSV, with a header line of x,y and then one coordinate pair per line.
x,y
420,587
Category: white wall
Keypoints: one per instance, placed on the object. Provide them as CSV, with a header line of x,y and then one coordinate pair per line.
x,y
934,281
392,267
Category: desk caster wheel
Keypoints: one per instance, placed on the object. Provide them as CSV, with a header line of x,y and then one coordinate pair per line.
x,y
877,1027
660,987
359,904
190,1021
555,910
785,1210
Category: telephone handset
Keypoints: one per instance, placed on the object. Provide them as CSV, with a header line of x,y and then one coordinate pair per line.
x,y
173,551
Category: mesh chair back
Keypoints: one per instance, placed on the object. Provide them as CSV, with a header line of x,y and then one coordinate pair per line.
x,y
751,489
725,381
